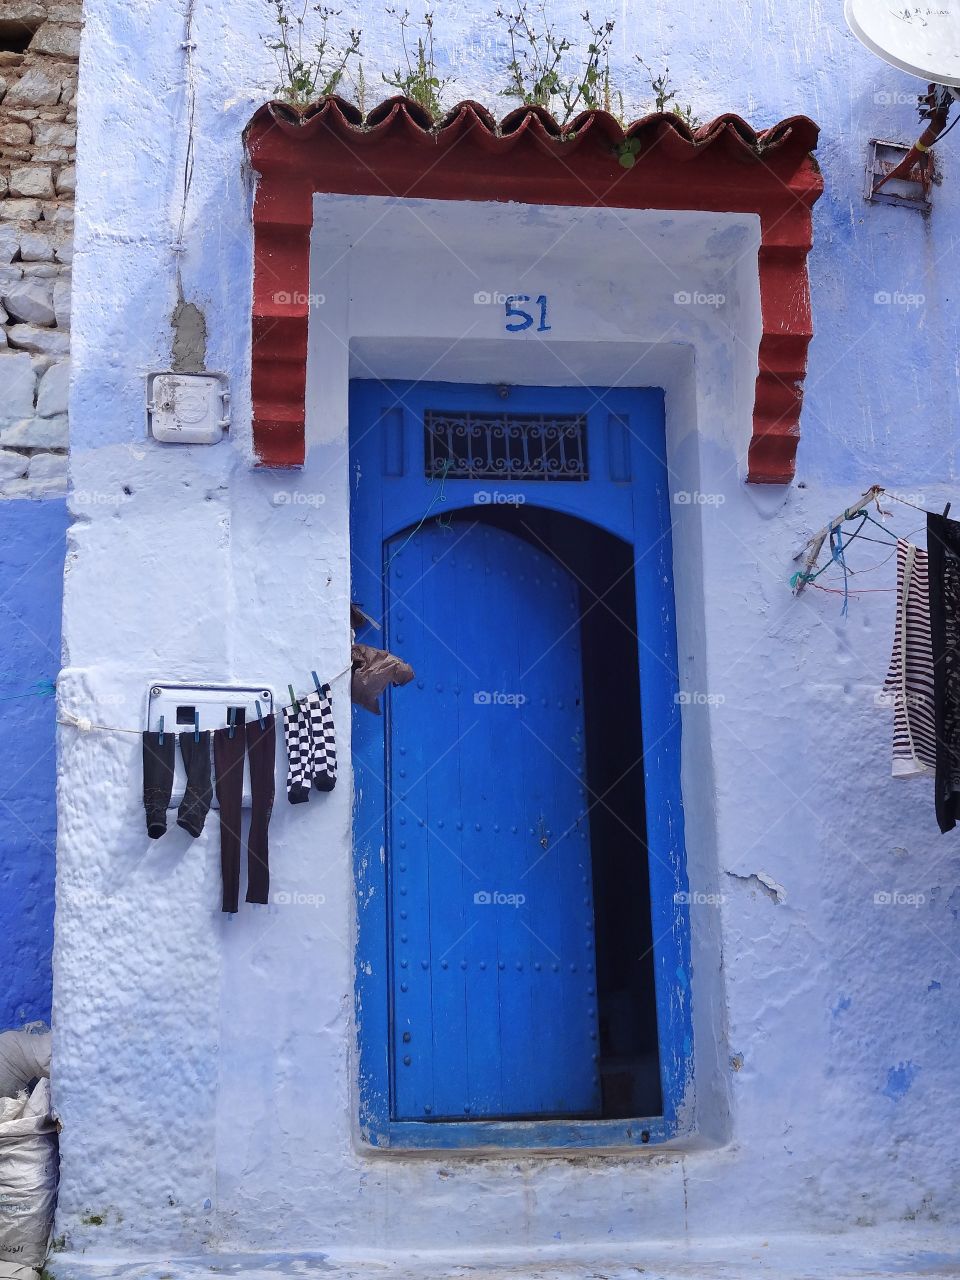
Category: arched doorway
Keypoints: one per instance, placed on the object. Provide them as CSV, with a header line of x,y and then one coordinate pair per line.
x,y
519,856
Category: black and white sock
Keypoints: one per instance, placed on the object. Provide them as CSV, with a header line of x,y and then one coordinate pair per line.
x,y
323,759
296,733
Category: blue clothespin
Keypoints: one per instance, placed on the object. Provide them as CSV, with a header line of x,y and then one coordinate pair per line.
x,y
232,721
316,681
259,713
161,732
196,726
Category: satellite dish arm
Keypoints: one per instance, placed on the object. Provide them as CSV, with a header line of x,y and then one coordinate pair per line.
x,y
939,99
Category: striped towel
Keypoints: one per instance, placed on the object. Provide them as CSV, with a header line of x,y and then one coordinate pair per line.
x,y
909,679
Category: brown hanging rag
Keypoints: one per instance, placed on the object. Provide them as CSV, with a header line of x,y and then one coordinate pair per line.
x,y
373,670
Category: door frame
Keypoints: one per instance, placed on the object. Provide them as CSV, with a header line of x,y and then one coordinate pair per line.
x,y
627,494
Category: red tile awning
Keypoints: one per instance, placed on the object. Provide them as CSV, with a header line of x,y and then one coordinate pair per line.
x,y
724,166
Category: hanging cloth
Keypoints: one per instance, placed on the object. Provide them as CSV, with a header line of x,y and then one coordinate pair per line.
x,y
373,670
909,679
943,551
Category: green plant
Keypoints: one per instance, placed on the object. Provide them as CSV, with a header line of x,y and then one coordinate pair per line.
x,y
309,69
419,79
665,100
666,96
539,70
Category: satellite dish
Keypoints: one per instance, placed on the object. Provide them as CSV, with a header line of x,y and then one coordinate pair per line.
x,y
922,38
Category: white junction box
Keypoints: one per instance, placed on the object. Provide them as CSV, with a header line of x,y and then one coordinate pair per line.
x,y
187,408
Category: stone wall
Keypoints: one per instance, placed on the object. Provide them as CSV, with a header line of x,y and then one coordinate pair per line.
x,y
39,48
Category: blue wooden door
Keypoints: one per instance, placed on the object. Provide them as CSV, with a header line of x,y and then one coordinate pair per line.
x,y
494,1010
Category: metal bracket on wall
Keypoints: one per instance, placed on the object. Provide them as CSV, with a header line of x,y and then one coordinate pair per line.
x,y
181,704
908,193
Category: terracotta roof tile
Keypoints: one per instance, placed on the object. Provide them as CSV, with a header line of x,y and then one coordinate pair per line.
x,y
398,150
794,137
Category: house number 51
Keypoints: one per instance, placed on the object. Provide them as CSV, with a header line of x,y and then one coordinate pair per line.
x,y
522,319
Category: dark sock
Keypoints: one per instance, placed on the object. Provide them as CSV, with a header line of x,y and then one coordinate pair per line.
x,y
157,780
195,804
228,755
262,754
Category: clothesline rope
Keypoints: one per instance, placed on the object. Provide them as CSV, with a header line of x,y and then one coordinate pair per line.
x,y
85,725
833,534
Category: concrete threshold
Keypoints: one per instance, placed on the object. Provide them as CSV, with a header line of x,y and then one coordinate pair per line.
x,y
856,1256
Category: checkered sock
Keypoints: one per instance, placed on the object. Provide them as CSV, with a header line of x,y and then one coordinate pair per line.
x,y
323,761
296,734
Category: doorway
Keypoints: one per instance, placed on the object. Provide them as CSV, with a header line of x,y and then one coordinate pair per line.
x,y
511,904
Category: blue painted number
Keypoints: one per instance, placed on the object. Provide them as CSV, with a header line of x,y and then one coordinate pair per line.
x,y
524,319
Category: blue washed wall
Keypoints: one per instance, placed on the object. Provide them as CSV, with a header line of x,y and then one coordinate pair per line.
x,y
32,547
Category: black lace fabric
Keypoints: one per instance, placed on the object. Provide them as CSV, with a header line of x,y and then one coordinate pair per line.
x,y
943,548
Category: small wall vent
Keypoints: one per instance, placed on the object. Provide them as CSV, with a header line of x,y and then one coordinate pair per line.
x,y
912,192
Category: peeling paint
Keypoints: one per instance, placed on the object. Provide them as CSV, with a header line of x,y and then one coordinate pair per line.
x,y
766,884
189,351
899,1080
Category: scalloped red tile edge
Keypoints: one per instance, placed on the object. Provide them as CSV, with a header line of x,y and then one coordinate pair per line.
x,y
725,166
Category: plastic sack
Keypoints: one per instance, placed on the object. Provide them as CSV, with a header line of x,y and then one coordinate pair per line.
x,y
29,1168
373,670
24,1057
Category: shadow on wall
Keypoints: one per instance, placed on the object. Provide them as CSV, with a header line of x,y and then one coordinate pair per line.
x,y
32,550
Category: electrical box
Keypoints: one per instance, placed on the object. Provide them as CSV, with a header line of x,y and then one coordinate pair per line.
x,y
188,408
181,704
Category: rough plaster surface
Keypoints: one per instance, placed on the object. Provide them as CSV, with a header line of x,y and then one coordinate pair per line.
x,y
32,544
203,1067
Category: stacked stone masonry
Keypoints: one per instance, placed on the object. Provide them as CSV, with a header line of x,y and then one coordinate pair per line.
x,y
39,48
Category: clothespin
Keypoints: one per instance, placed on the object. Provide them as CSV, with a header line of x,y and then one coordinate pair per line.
x,y
196,726
946,511
316,681
293,699
160,739
259,713
232,721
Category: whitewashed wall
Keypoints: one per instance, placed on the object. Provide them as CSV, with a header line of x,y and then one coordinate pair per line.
x,y
203,1065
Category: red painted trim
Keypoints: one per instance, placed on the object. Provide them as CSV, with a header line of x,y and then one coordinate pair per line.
x,y
725,167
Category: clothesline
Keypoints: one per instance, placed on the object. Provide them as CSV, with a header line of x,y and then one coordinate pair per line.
x,y
86,725
839,542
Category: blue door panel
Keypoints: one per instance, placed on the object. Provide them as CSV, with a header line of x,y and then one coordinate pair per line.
x,y
517,1057
493,968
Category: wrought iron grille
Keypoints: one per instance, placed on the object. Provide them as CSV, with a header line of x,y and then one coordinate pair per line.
x,y
505,446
